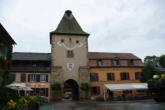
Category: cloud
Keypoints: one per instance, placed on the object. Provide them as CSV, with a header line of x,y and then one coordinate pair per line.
x,y
135,26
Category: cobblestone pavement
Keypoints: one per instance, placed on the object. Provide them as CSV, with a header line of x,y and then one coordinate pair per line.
x,y
121,105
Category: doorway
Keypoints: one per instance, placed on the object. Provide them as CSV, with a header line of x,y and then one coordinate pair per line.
x,y
72,89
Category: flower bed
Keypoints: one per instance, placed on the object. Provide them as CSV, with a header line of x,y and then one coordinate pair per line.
x,y
25,103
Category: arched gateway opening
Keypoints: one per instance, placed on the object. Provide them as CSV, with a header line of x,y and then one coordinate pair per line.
x,y
71,88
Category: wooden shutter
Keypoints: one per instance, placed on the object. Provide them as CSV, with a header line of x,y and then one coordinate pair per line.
x,y
108,76
98,90
23,77
121,76
97,78
47,78
113,76
38,78
136,76
128,78
28,77
91,91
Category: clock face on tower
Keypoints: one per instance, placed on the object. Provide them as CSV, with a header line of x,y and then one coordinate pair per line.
x,y
70,46
77,45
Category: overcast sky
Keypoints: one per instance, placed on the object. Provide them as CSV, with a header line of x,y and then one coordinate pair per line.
x,y
136,26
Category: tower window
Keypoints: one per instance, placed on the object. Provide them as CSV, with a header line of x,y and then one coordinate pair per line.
x,y
70,39
77,41
70,54
62,40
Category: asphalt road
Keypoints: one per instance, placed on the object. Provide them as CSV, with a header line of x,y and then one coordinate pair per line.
x,y
118,105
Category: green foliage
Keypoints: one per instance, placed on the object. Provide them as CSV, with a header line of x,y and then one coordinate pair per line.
x,y
156,82
65,96
148,71
85,86
162,75
162,61
99,98
56,87
24,103
5,93
151,59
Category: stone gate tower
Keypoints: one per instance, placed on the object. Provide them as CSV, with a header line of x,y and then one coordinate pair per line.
x,y
69,54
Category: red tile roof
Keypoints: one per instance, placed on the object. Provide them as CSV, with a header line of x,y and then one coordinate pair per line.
x,y
103,55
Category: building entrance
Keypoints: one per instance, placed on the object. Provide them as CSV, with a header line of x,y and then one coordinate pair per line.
x,y
72,89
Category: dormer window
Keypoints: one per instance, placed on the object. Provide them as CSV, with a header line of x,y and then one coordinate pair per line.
x,y
99,62
131,62
116,62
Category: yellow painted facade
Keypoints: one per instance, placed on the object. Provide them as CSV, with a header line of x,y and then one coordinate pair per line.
x,y
102,78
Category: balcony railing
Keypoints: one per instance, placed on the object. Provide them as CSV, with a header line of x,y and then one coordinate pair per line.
x,y
30,69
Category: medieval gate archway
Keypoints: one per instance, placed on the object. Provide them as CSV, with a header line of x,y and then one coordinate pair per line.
x,y
71,87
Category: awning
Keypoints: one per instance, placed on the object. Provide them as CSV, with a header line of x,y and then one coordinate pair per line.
x,y
127,86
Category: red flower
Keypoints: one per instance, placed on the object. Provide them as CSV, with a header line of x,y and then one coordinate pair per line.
x,y
6,62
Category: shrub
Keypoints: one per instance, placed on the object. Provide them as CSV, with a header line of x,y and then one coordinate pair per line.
x,y
99,98
65,96
56,87
85,86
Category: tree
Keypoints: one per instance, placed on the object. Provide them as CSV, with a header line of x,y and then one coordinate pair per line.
x,y
162,61
152,59
149,69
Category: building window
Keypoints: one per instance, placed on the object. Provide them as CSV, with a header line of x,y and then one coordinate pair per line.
x,y
43,78
99,62
62,40
110,76
13,77
116,62
23,77
131,62
70,39
70,54
127,92
95,90
77,41
32,77
138,75
34,65
124,76
39,92
38,77
141,91
93,76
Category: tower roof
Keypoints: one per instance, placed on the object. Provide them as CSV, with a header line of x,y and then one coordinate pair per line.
x,y
69,26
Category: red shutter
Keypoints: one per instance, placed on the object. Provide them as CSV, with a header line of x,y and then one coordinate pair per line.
x,y
128,78
98,90
113,76
121,76
91,91
97,78
136,76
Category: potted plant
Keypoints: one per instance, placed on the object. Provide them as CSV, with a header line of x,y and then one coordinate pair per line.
x,y
85,88
56,87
